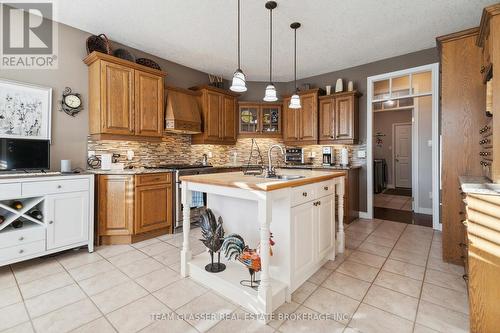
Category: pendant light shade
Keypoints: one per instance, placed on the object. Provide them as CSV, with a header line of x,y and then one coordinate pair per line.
x,y
270,93
295,100
239,83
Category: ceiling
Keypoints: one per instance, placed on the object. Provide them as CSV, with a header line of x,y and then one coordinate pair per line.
x,y
335,34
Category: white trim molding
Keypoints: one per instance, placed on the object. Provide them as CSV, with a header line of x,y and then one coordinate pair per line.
x,y
434,68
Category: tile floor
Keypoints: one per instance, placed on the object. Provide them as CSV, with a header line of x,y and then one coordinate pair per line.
x,y
392,201
391,279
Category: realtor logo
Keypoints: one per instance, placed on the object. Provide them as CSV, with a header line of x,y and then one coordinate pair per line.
x,y
29,36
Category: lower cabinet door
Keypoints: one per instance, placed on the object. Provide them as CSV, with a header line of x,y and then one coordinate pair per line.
x,y
67,219
153,207
326,227
304,244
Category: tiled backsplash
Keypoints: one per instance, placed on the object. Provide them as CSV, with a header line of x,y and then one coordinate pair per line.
x,y
176,149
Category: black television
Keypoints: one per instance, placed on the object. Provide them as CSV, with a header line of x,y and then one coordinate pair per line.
x,y
22,154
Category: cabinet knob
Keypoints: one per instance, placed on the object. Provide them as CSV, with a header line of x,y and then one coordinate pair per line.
x,y
51,222
21,251
319,203
59,186
325,188
304,194
21,238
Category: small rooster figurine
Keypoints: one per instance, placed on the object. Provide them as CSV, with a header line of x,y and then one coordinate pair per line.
x,y
235,249
213,236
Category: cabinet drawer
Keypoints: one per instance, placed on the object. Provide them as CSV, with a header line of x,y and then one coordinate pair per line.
x,y
153,179
303,194
55,186
14,252
10,191
324,188
15,237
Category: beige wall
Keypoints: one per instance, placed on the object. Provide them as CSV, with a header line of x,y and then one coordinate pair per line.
x,y
359,75
69,134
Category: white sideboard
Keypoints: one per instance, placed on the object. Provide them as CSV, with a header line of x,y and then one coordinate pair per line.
x,y
67,205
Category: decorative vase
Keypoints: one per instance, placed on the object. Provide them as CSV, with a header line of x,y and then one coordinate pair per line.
x,y
328,90
339,86
350,86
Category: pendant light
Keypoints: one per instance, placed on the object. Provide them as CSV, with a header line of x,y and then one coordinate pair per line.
x,y
239,80
270,94
295,100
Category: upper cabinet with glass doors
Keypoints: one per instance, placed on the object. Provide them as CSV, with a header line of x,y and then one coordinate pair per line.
x,y
397,93
259,119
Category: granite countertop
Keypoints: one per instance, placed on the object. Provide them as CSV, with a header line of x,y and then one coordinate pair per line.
x,y
134,171
321,167
16,176
138,171
478,185
249,182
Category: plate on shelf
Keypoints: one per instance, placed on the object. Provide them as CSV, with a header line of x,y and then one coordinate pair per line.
x,y
246,117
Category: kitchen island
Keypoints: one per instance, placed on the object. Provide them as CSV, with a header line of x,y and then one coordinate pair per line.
x,y
298,209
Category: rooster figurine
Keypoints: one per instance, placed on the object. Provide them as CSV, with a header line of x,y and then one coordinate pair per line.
x,y
213,236
234,248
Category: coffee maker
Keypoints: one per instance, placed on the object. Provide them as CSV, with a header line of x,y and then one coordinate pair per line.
x,y
328,156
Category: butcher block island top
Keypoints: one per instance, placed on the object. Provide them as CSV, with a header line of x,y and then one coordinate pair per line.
x,y
259,183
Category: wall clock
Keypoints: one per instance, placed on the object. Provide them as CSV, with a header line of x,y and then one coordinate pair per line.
x,y
71,102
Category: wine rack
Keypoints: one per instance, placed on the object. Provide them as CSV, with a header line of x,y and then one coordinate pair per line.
x,y
486,153
11,214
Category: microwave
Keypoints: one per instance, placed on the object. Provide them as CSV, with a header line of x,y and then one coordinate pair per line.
x,y
294,155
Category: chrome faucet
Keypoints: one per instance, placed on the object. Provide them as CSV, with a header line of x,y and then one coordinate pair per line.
x,y
271,171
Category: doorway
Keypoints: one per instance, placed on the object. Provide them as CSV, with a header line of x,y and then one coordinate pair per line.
x,y
401,155
403,146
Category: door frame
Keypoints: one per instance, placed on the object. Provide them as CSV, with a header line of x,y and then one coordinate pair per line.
x,y
414,189
434,68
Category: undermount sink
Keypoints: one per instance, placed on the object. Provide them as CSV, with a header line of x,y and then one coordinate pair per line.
x,y
289,177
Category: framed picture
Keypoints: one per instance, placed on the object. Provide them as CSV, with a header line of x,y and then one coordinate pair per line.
x,y
25,110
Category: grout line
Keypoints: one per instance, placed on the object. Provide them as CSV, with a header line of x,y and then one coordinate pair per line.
x,y
422,284
373,281
24,303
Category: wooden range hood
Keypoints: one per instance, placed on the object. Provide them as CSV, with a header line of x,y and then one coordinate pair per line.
x,y
182,114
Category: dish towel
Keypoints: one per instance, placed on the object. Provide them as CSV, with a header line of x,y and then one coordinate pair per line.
x,y
197,199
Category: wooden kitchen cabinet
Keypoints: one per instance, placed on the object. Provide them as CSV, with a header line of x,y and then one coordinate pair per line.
x,y
148,104
131,208
125,99
483,261
218,116
351,195
259,119
300,126
462,102
488,40
117,101
339,118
